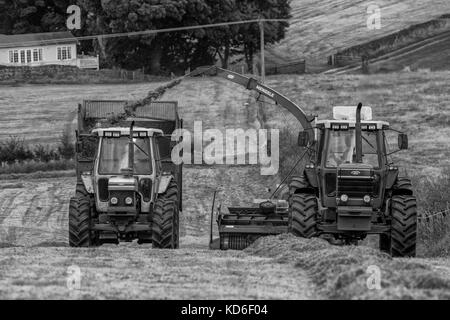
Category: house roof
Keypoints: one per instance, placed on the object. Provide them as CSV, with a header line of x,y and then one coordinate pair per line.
x,y
36,39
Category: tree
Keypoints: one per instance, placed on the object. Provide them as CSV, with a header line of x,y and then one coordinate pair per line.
x,y
112,16
249,34
162,52
32,16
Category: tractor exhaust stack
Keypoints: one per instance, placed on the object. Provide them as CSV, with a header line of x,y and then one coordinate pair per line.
x,y
131,150
358,135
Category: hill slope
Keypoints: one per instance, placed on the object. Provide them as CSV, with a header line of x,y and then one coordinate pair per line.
x,y
322,27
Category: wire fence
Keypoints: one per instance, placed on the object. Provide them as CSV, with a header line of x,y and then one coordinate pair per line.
x,y
429,216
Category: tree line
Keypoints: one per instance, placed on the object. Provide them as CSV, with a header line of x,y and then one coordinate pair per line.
x,y
160,53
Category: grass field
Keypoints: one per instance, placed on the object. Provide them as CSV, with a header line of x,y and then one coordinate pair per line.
x,y
33,212
39,113
322,27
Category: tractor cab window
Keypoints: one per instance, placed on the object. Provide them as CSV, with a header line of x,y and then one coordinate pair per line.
x,y
342,148
114,156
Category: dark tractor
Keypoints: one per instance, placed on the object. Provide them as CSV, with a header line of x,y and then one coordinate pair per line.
x,y
127,186
350,189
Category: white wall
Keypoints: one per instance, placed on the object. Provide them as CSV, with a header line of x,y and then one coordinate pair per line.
x,y
49,55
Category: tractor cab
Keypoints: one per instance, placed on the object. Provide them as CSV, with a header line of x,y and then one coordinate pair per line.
x,y
350,173
125,169
350,177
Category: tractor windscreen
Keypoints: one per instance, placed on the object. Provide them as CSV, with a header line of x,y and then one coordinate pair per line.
x,y
114,156
342,148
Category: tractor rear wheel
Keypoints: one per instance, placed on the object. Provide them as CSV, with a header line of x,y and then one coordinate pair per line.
x,y
165,225
404,226
403,186
79,223
303,215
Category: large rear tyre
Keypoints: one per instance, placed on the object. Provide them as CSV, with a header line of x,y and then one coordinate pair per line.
x,y
303,215
80,234
404,226
402,186
165,225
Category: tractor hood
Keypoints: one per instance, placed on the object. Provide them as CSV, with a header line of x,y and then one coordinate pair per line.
x,y
123,183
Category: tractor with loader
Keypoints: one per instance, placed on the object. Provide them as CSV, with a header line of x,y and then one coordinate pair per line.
x,y
348,189
127,186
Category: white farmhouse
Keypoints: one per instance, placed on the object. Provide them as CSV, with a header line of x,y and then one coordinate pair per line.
x,y
37,49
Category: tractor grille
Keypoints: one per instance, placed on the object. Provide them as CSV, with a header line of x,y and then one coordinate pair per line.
x,y
356,188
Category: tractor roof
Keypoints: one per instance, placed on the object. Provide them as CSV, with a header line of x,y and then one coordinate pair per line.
x,y
352,123
126,131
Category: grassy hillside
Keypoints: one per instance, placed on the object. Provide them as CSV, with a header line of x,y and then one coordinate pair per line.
x,y
322,27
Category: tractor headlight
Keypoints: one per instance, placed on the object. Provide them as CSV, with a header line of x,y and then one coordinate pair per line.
x,y
128,201
366,199
344,198
114,200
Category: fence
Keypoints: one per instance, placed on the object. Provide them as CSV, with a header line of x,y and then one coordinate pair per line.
x,y
136,75
298,67
87,62
295,67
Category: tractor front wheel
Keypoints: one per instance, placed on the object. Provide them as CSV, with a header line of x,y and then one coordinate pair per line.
x,y
79,223
165,225
404,226
303,215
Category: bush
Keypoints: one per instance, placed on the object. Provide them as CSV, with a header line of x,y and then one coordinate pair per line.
x,y
44,153
66,147
14,149
30,167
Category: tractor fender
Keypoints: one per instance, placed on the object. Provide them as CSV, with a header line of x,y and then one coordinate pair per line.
x,y
164,183
311,177
88,183
391,177
300,184
402,187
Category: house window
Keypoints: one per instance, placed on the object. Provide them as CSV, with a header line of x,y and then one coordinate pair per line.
x,y
64,53
22,56
25,56
37,55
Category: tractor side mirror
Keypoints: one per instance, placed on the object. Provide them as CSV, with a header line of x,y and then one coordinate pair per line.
x,y
403,141
303,139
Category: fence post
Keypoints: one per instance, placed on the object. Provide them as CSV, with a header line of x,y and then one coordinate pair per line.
x,y
365,64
